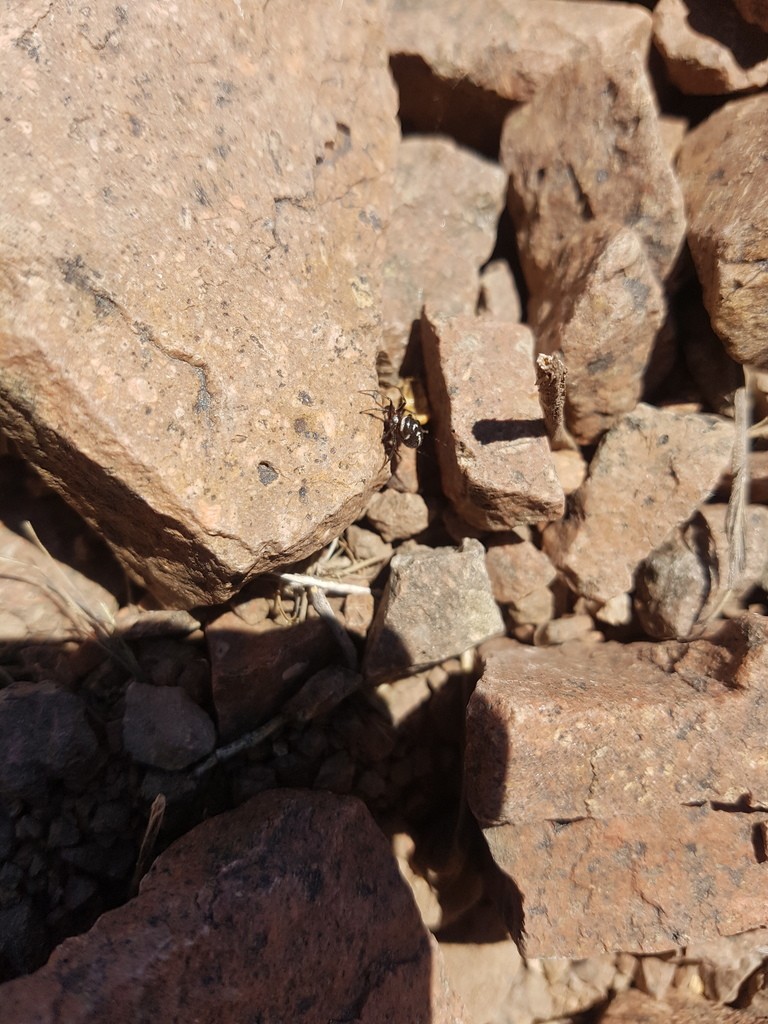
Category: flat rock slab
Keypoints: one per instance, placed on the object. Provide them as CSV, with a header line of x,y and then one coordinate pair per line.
x,y
571,732
290,908
437,604
724,176
445,216
493,450
643,883
194,206
648,476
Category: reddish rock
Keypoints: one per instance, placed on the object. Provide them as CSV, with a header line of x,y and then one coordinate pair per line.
x,y
608,168
255,669
561,733
461,67
397,515
437,604
516,568
494,455
725,180
633,1007
163,728
290,908
753,11
193,311
446,209
708,48
644,881
649,474
601,313
499,298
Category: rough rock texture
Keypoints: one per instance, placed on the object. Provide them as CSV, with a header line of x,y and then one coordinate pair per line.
x,y
619,731
603,309
461,67
397,515
611,787
617,519
633,1007
516,568
647,882
725,180
255,668
609,168
44,736
708,48
163,728
194,207
437,604
447,204
246,917
492,447
685,578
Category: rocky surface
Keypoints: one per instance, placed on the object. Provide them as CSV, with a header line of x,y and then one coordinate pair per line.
x,y
145,305
724,178
602,802
709,48
191,939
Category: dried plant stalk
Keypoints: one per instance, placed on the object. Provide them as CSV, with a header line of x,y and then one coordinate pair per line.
x,y
735,521
551,374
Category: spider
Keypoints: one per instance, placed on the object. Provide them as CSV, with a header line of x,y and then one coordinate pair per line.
x,y
400,427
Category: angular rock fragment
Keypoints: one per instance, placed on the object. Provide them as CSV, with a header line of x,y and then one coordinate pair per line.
x,y
632,1007
708,48
607,168
443,229
685,578
163,728
45,736
561,733
290,908
516,568
185,323
396,515
437,604
461,67
647,882
724,177
495,461
602,311
649,474
254,669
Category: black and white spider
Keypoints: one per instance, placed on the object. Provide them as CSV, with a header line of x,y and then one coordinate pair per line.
x,y
400,426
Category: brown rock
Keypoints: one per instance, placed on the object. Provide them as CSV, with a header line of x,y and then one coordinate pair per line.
x,y
45,737
555,988
437,604
499,297
494,455
460,67
163,728
190,343
726,963
708,48
254,670
618,517
609,168
601,312
516,568
620,730
443,228
632,1007
397,515
725,180
319,878
754,11
645,881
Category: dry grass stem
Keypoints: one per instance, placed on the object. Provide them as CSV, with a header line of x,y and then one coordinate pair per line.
x,y
551,374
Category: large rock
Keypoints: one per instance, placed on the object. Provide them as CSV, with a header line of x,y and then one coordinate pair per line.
x,y
724,176
192,244
288,909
